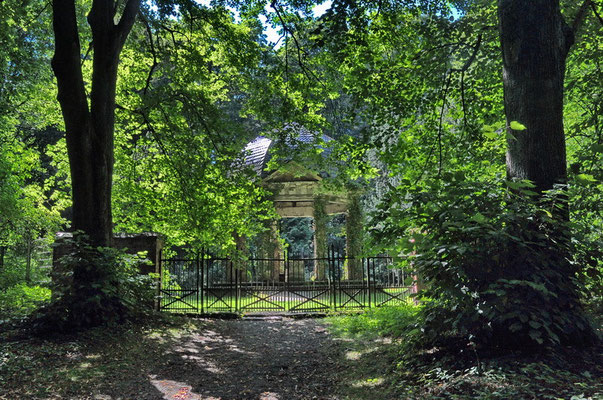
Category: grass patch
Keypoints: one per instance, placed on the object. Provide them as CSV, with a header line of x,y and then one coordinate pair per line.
x,y
391,321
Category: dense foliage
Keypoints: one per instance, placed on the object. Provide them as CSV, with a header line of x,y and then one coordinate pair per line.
x,y
494,261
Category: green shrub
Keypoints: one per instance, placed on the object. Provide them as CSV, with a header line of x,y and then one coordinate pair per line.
x,y
21,300
496,258
96,286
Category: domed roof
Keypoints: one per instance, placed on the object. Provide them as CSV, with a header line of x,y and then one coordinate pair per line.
x,y
257,152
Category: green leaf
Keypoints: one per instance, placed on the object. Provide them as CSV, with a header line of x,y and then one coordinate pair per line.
x,y
536,336
585,178
479,217
510,137
491,135
516,126
515,327
535,324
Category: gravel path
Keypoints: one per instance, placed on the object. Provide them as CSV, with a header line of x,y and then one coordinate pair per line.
x,y
269,359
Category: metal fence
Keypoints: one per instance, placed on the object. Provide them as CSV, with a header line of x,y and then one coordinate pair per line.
x,y
207,284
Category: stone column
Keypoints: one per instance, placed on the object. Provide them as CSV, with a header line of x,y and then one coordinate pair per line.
x,y
320,238
354,231
276,251
270,248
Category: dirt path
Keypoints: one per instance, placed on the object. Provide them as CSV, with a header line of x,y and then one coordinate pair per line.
x,y
248,359
268,359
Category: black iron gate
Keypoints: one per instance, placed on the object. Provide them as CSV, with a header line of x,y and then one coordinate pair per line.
x,y
289,284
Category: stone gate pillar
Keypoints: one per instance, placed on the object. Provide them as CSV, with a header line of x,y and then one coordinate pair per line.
x,y
149,242
271,250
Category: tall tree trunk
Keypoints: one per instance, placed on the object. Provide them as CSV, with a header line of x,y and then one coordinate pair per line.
x,y
89,132
89,129
535,42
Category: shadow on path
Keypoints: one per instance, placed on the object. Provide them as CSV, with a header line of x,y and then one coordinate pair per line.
x,y
269,359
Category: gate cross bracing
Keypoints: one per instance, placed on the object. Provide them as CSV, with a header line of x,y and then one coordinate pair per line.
x,y
212,284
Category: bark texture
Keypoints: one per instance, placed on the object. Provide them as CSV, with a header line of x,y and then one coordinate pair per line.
x,y
89,127
535,41
2,254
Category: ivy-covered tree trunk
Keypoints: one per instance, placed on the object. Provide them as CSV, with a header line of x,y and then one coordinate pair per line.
x,y
354,231
89,125
535,41
320,239
2,253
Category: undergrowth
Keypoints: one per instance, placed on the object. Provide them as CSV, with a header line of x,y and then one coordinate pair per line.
x,y
21,300
418,372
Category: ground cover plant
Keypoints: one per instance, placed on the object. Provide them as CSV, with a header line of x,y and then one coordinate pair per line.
x,y
494,262
415,372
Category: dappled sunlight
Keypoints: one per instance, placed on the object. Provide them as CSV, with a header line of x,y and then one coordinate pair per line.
x,y
221,359
320,329
370,382
210,340
355,355
269,396
172,390
343,339
208,365
186,349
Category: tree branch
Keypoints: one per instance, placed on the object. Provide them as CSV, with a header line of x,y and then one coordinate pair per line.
x,y
580,15
66,63
128,17
594,8
90,46
154,53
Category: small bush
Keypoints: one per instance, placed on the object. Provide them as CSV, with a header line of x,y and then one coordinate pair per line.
x,y
96,286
